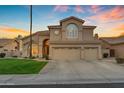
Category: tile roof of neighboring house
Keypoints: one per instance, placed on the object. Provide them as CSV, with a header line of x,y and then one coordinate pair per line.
x,y
5,41
41,33
113,40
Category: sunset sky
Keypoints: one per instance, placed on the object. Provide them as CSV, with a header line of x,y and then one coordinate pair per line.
x,y
14,20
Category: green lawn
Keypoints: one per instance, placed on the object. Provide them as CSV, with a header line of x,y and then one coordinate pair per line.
x,y
20,66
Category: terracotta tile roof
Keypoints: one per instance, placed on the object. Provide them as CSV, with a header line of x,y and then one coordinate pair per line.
x,y
44,33
5,41
113,40
41,33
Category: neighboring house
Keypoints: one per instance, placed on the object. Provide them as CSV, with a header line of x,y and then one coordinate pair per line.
x,y
70,40
113,46
10,47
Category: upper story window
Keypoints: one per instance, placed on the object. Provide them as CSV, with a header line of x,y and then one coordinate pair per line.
x,y
72,31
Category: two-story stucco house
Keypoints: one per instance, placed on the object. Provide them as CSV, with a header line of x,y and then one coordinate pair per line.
x,y
70,40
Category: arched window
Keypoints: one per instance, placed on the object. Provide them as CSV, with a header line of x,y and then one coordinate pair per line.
x,y
72,31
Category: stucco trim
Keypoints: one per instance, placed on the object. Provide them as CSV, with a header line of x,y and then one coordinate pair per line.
x,y
54,26
78,43
71,17
89,27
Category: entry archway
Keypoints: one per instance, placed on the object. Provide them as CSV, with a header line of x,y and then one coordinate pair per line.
x,y
45,49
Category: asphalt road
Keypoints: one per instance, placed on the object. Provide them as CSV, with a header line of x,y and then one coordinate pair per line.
x,y
97,85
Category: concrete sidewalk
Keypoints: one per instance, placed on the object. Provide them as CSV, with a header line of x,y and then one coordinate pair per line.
x,y
66,72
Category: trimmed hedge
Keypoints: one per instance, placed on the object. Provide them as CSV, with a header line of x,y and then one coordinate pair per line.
x,y
2,55
120,60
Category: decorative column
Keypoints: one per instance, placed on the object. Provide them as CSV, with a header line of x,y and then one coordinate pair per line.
x,y
82,53
40,49
50,52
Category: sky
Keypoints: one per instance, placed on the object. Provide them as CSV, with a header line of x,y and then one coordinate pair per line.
x,y
14,20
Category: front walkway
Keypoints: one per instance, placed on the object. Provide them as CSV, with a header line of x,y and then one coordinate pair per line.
x,y
59,72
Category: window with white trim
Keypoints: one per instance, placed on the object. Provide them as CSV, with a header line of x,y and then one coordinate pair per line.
x,y
72,31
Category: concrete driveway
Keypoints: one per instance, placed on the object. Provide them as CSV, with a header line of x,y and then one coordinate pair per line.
x,y
72,72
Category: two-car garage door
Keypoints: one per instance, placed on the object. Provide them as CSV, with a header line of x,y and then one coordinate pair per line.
x,y
89,53
66,53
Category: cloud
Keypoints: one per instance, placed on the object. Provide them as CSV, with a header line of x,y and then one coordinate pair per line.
x,y
79,9
61,8
9,32
115,30
114,14
50,16
95,8
122,34
119,27
65,8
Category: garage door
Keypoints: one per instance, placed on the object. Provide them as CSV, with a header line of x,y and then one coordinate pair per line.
x,y
66,53
90,53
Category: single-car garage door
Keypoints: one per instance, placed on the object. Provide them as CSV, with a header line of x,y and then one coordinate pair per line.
x,y
91,53
66,53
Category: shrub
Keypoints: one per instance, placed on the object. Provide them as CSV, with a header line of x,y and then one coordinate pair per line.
x,y
33,57
15,56
2,55
120,60
105,55
46,57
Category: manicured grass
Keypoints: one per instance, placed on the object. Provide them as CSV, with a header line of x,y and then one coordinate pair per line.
x,y
20,66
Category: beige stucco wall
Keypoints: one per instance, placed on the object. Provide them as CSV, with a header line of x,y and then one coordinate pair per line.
x,y
83,34
119,50
36,40
87,34
54,37
25,50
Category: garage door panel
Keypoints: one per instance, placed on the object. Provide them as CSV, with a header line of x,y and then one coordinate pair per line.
x,y
66,53
91,53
